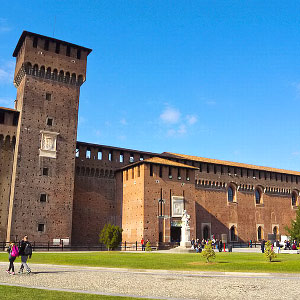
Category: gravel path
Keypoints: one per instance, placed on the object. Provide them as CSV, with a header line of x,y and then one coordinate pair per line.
x,y
158,284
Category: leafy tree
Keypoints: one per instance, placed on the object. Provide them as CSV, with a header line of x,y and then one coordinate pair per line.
x,y
111,236
294,230
208,252
148,246
269,252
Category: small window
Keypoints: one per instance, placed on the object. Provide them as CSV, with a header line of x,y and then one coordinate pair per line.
x,y
230,194
49,121
57,48
170,172
45,171
110,156
257,196
151,170
121,157
294,199
2,117
41,227
141,157
88,153
68,52
160,171
43,197
78,54
46,45
35,42
187,175
179,174
99,154
77,152
131,158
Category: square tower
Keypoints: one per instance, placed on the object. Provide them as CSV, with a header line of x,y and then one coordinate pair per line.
x,y
48,77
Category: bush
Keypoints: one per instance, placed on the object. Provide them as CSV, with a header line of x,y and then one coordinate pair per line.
x,y
269,252
208,252
111,236
148,246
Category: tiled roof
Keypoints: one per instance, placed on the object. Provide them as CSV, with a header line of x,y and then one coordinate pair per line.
x,y
160,161
9,109
229,163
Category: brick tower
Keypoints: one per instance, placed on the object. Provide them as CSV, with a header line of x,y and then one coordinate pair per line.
x,y
48,76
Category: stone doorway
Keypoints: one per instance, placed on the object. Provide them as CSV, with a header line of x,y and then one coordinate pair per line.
x,y
175,234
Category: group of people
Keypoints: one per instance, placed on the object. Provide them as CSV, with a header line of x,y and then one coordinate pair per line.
x,y
199,245
25,251
144,243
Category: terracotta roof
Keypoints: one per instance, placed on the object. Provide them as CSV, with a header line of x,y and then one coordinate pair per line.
x,y
229,163
160,161
9,109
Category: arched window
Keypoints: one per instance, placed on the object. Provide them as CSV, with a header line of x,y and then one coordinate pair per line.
x,y
48,73
54,74
42,71
61,76
258,196
73,78
35,70
80,80
233,234
67,78
28,68
294,199
230,194
260,233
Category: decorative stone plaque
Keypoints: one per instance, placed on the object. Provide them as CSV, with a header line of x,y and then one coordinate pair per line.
x,y
177,206
48,144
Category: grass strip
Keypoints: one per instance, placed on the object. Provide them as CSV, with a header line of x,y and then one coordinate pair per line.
x,y
225,262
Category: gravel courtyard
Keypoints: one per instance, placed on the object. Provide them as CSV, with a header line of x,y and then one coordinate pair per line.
x,y
157,284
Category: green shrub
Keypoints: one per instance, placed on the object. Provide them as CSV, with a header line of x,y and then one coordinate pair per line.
x,y
269,252
148,246
208,252
111,236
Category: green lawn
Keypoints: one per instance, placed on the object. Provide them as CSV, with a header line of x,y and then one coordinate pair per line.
x,y
14,292
232,262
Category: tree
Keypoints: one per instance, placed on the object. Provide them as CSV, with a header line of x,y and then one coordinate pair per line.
x,y
208,252
294,230
111,236
148,246
269,252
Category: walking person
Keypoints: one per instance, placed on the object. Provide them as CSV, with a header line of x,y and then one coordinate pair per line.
x,y
262,246
25,252
13,252
143,244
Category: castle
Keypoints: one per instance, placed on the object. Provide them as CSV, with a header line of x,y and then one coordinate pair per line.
x,y
53,187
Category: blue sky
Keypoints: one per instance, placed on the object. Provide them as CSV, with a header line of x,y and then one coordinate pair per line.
x,y
218,79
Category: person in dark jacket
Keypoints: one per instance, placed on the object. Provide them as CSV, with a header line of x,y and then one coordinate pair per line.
x,y
24,256
262,246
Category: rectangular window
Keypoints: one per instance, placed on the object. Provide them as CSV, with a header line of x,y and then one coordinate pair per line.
x,y
110,156
48,96
160,171
1,117
131,158
99,155
68,53
88,154
57,48
49,121
41,227
78,54
141,157
121,157
187,175
151,170
43,197
178,173
77,152
170,172
45,171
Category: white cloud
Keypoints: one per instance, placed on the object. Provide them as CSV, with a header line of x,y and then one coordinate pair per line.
x,y
191,119
6,102
7,72
123,121
4,27
170,115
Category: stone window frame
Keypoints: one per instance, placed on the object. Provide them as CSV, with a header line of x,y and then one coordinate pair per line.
x,y
296,194
233,187
260,190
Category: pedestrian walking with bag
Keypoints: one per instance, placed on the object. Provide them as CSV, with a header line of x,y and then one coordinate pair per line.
x,y
25,252
13,253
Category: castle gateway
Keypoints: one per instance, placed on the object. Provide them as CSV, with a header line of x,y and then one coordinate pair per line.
x,y
52,187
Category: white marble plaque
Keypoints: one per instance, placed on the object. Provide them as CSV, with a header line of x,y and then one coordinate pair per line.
x,y
48,144
177,206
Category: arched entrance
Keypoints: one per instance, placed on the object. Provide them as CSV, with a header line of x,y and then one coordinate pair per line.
x,y
206,234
